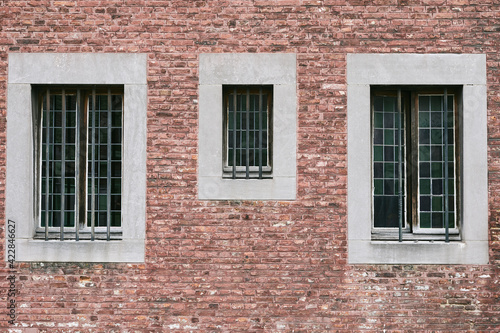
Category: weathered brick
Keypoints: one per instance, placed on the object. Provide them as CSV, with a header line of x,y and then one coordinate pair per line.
x,y
219,266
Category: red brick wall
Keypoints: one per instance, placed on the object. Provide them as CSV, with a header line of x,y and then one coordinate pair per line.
x,y
254,266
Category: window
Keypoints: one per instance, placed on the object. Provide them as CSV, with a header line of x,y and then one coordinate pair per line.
x,y
80,147
417,159
247,138
415,138
246,167
58,123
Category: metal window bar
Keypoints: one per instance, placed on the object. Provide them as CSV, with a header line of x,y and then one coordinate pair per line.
x,y
56,122
246,142
260,132
247,148
47,162
400,171
108,169
77,164
63,165
235,100
445,139
92,168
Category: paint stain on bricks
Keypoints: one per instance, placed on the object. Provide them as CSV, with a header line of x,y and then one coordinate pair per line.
x,y
86,281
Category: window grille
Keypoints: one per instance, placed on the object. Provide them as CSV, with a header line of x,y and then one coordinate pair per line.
x,y
247,131
81,160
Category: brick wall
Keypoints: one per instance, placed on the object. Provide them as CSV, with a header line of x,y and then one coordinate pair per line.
x,y
220,266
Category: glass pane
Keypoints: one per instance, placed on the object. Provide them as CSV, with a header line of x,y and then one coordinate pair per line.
x,y
385,209
378,136
389,153
437,170
423,119
390,171
107,162
116,119
57,202
378,186
386,150
378,120
425,220
116,185
424,137
116,219
378,170
433,163
424,153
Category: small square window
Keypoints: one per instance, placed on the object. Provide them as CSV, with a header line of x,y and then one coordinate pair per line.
x,y
242,156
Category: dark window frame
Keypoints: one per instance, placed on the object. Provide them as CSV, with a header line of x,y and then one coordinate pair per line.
x,y
409,106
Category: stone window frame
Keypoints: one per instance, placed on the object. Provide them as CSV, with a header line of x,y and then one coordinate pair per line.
x,y
27,69
466,70
220,69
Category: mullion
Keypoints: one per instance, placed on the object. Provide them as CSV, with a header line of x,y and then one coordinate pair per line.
x,y
260,107
400,169
235,114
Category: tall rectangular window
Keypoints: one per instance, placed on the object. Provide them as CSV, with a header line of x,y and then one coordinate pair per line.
x,y
415,160
80,154
247,134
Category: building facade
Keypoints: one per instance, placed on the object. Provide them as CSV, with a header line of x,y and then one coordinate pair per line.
x,y
250,166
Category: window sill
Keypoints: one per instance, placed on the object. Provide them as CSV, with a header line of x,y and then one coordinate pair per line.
x,y
127,250
418,252
83,236
412,237
242,175
218,188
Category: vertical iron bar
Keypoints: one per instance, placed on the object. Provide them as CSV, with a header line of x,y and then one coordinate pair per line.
x,y
400,170
108,176
47,162
260,132
445,139
92,171
77,166
247,149
235,101
63,163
